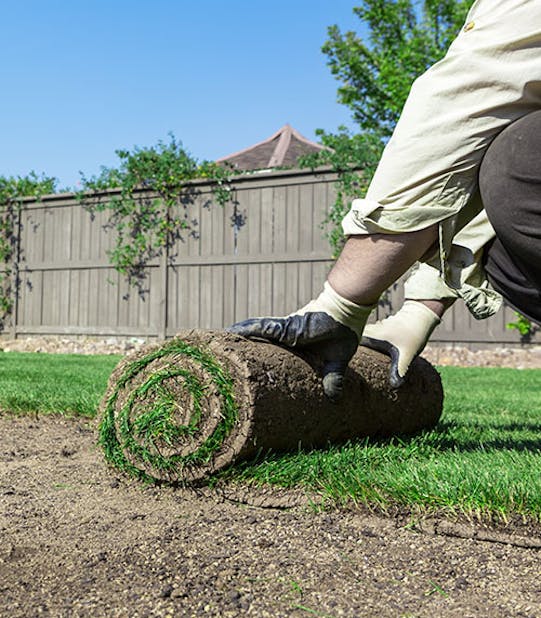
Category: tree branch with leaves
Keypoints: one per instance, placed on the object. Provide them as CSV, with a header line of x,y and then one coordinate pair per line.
x,y
149,207
376,69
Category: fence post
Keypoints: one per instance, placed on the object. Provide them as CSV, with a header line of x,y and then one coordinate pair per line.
x,y
164,283
15,282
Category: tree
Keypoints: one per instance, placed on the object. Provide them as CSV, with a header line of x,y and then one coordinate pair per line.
x,y
376,71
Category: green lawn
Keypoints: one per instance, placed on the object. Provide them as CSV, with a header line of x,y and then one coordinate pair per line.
x,y
483,458
53,383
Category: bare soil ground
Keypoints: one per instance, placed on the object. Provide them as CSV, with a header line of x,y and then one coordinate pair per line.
x,y
78,540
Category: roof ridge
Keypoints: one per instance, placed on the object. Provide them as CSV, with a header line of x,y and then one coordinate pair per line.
x,y
282,147
303,139
277,157
284,132
262,143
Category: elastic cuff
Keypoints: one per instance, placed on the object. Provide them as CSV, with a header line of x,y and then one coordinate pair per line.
x,y
343,310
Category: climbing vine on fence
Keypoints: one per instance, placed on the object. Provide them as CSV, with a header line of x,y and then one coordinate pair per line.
x,y
353,158
12,191
149,207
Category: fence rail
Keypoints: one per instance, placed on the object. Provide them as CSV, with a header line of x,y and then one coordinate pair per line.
x,y
264,253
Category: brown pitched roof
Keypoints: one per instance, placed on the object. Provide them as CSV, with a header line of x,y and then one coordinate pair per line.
x,y
281,149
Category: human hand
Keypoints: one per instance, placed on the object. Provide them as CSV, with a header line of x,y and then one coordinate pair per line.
x,y
330,326
402,337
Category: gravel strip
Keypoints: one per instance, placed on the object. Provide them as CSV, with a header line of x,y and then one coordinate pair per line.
x,y
519,358
72,345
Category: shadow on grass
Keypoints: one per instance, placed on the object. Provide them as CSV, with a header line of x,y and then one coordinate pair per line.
x,y
470,436
447,437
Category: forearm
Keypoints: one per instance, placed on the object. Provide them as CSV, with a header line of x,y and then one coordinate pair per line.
x,y
368,265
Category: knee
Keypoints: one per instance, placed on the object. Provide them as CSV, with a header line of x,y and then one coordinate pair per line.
x,y
510,175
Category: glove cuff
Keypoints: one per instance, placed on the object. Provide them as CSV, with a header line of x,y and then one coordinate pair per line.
x,y
341,309
424,319
406,333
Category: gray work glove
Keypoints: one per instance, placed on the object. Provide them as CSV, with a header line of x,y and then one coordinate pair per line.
x,y
402,336
330,326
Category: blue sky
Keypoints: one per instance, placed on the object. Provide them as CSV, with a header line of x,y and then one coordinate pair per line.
x,y
83,78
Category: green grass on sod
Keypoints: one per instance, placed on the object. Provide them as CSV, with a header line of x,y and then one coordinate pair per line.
x,y
483,458
71,384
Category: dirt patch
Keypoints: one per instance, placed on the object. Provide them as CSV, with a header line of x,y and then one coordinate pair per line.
x,y
77,540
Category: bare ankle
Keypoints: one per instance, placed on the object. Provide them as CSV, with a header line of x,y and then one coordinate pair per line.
x,y
437,306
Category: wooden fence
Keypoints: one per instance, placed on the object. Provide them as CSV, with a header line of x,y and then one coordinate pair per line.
x,y
263,254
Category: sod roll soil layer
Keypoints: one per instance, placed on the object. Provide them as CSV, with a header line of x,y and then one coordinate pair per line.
x,y
182,410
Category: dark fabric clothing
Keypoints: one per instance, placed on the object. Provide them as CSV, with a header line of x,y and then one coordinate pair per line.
x,y
510,184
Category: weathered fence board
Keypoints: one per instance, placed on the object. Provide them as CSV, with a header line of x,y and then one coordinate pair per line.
x,y
264,253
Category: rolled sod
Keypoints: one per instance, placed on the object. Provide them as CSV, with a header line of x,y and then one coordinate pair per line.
x,y
184,409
